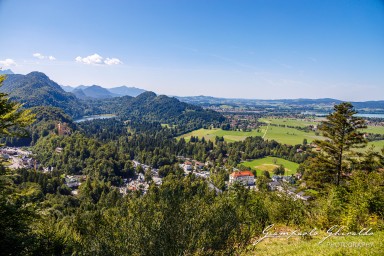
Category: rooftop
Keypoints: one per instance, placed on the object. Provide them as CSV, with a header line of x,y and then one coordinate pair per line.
x,y
241,174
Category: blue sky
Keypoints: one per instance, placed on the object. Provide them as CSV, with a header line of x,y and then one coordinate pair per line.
x,y
264,49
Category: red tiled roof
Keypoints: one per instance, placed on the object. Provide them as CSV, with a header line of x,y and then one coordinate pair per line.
x,y
241,174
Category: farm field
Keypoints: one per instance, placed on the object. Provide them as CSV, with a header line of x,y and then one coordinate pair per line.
x,y
285,135
293,136
291,121
270,163
289,136
375,129
210,134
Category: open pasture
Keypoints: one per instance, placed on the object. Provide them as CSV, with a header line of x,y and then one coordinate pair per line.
x,y
291,121
230,136
270,163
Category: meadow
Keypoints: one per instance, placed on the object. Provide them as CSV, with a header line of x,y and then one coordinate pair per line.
x,y
299,246
270,163
292,121
375,129
289,136
284,135
230,136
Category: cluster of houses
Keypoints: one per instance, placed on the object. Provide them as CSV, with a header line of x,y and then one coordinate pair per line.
x,y
74,181
135,184
282,184
196,167
192,165
18,157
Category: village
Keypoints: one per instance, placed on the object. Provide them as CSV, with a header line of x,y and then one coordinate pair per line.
x,y
16,158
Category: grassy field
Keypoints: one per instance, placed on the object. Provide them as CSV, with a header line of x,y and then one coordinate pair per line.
x,y
210,134
375,129
289,136
291,121
296,246
378,145
285,135
270,163
292,136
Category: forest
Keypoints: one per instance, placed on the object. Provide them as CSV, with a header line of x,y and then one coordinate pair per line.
x,y
40,214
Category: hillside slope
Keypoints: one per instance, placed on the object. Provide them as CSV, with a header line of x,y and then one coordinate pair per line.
x,y
36,89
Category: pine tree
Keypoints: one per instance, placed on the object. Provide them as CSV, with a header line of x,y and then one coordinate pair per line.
x,y
342,132
13,121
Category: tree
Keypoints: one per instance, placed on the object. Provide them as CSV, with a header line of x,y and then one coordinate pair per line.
x,y
266,174
341,130
13,121
279,170
15,214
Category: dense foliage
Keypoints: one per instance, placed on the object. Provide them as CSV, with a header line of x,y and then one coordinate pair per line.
x,y
46,120
185,215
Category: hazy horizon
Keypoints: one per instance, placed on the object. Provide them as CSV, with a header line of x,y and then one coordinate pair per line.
x,y
230,49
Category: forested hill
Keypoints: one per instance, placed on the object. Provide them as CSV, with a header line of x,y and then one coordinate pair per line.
x,y
150,107
36,89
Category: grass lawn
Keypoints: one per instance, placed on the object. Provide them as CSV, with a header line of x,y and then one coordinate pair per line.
x,y
342,245
270,163
210,134
284,135
378,145
291,121
375,129
289,136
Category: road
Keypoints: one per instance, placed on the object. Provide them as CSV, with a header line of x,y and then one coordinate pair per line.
x,y
266,130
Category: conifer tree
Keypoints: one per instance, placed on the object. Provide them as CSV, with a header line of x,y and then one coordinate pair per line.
x,y
342,132
13,121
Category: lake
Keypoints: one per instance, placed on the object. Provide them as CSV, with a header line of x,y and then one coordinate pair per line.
x,y
366,115
371,115
89,118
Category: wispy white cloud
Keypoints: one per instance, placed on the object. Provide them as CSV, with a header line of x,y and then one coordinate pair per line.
x,y
38,55
91,59
7,63
96,59
42,57
112,61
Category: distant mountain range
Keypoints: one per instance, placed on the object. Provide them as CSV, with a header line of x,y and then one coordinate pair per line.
x,y
99,92
36,89
202,100
6,72
310,103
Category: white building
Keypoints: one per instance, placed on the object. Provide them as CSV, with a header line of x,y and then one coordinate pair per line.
x,y
188,166
245,177
72,181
